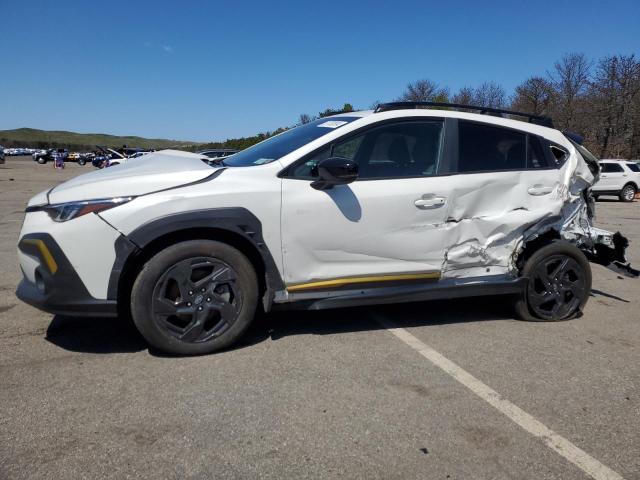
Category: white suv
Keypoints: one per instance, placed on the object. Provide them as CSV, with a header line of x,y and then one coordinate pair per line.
x,y
618,177
393,205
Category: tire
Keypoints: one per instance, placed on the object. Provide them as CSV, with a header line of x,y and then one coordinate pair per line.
x,y
194,297
82,162
554,296
628,193
42,161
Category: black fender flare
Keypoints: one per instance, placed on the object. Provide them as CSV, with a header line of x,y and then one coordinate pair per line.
x,y
235,220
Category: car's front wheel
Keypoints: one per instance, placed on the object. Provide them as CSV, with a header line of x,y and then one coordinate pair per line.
x,y
82,162
559,284
42,161
628,193
194,297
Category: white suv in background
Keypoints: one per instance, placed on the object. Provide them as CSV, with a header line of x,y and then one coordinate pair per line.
x,y
398,204
618,177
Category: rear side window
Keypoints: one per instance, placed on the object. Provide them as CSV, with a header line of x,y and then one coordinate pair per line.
x,y
634,167
535,154
611,168
488,148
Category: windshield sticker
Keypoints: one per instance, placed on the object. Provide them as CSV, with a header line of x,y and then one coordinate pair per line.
x,y
332,124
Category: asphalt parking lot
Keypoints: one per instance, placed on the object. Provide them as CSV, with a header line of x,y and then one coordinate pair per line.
x,y
431,390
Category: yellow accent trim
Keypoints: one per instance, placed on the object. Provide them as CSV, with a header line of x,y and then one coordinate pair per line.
x,y
44,251
340,282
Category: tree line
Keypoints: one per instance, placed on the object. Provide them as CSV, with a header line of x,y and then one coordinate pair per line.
x,y
599,100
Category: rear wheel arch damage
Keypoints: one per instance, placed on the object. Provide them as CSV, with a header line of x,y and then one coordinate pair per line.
x,y
558,280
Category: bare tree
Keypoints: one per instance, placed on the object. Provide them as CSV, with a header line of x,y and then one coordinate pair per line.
x,y
534,95
424,90
570,79
489,94
304,118
464,96
613,96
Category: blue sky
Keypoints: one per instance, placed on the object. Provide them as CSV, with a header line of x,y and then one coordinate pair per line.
x,y
197,70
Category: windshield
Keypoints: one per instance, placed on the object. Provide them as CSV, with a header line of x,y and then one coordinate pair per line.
x,y
277,147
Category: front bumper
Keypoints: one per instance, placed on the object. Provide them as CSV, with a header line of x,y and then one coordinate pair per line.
x,y
55,286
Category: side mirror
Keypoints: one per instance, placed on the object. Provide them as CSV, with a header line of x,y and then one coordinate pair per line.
x,y
335,171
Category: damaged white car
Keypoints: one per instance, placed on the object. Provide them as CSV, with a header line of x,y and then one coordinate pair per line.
x,y
398,204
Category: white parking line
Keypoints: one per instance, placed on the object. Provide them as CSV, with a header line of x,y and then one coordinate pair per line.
x,y
555,442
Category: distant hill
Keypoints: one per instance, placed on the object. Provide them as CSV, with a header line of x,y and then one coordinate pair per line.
x,y
31,137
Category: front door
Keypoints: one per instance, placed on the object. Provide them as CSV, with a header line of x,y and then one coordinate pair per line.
x,y
386,226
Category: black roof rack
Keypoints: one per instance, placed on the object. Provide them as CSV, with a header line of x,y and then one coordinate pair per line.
x,y
536,119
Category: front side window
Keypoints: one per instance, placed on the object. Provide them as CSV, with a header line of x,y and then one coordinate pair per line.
x,y
404,149
277,147
488,148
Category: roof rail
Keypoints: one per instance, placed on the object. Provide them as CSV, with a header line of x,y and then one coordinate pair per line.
x,y
536,119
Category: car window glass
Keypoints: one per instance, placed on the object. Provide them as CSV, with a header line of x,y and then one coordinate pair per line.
x,y
634,167
348,149
488,148
407,149
286,142
535,154
611,168
307,169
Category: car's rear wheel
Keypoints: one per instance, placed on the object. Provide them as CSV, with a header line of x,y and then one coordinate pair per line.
x,y
194,297
628,193
559,284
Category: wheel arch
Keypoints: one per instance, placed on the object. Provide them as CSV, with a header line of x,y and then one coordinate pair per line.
x,y
236,227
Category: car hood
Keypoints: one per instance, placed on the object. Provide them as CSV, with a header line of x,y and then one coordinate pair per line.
x,y
138,176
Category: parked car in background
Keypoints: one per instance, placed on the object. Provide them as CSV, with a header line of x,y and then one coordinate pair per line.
x,y
217,153
110,157
1,154
44,156
47,156
620,178
107,157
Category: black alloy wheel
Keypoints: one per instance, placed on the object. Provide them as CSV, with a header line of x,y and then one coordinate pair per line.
x,y
196,299
556,287
559,283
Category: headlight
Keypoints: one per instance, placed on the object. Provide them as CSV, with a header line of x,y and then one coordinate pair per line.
x,y
62,212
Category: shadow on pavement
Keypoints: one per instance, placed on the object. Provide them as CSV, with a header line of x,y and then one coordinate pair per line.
x,y
595,292
328,322
114,335
94,335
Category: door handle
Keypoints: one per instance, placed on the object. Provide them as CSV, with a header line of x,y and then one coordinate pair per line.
x,y
540,190
429,200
